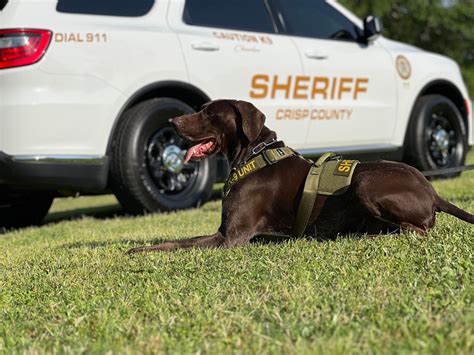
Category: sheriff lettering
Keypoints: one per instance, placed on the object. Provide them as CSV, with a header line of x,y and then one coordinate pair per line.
x,y
264,86
344,167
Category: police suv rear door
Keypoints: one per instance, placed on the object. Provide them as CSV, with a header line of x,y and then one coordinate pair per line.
x,y
351,86
232,50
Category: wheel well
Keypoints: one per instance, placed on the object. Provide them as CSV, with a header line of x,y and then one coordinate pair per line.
x,y
184,92
450,91
446,89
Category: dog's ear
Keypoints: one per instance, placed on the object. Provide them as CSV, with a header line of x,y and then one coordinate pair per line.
x,y
203,106
252,119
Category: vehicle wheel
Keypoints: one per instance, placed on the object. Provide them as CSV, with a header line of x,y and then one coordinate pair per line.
x,y
20,208
147,171
436,136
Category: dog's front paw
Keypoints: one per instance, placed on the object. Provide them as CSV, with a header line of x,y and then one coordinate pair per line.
x,y
134,251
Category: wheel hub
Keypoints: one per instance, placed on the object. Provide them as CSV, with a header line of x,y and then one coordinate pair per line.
x,y
173,159
165,162
441,140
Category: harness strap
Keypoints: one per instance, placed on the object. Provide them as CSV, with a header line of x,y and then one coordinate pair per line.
x,y
274,155
267,157
310,192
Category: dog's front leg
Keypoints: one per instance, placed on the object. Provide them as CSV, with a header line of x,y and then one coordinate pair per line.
x,y
206,241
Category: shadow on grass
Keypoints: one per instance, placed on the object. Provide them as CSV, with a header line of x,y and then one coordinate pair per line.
x,y
104,212
101,212
133,243
259,240
129,243
265,240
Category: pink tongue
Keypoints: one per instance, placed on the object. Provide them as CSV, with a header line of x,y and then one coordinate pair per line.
x,y
196,150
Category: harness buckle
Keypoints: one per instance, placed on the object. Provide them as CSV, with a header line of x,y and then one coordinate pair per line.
x,y
261,146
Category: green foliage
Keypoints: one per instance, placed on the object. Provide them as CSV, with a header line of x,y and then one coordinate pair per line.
x,y
68,287
429,25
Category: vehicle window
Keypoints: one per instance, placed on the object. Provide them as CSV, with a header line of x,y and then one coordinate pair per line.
x,y
3,3
249,15
317,19
127,8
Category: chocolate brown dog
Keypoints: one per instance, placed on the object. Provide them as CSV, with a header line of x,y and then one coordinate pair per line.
x,y
383,196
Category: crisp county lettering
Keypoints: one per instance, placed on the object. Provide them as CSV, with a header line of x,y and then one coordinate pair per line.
x,y
240,37
314,114
80,37
305,87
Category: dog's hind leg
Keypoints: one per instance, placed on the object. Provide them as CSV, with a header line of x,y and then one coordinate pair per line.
x,y
403,201
408,227
387,226
207,241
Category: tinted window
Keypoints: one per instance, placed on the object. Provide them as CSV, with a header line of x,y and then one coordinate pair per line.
x,y
3,3
315,18
129,8
250,15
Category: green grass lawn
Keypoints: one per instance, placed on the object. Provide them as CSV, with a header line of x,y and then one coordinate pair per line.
x,y
67,287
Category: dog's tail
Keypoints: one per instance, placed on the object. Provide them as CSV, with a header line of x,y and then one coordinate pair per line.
x,y
448,207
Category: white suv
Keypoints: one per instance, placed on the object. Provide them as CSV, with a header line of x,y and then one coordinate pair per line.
x,y
87,88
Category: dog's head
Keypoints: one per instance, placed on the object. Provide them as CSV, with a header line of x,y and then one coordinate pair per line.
x,y
221,125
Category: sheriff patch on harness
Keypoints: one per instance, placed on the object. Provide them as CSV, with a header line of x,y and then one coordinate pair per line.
x,y
272,190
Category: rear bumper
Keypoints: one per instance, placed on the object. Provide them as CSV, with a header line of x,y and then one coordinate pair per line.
x,y
77,173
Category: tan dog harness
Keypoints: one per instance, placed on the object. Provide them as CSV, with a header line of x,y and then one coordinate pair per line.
x,y
330,175
267,157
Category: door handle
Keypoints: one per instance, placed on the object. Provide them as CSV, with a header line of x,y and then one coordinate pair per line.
x,y
316,54
205,46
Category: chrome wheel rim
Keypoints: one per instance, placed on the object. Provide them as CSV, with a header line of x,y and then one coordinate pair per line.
x,y
165,152
441,139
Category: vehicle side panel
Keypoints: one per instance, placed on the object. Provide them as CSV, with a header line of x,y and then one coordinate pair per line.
x,y
93,66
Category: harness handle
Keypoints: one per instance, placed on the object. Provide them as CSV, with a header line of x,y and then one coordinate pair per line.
x,y
324,157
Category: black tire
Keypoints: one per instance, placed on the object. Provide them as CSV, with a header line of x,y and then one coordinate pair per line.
x,y
436,136
20,208
140,179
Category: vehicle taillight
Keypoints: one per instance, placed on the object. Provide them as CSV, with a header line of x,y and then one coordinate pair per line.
x,y
19,47
468,107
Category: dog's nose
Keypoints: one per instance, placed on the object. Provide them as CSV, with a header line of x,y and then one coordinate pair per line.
x,y
172,122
